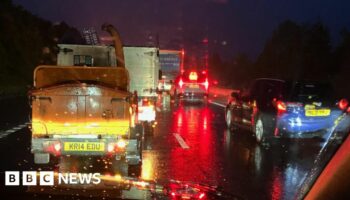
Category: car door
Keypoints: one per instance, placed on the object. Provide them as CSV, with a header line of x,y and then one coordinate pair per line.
x,y
249,104
235,107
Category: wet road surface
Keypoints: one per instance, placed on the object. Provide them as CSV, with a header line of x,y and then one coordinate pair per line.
x,y
190,143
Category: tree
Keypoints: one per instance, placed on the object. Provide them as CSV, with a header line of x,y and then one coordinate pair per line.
x,y
296,52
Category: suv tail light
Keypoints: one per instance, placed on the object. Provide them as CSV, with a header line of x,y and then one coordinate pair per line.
x,y
281,106
343,104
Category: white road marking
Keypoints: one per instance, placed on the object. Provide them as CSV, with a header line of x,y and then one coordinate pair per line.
x,y
181,141
218,104
12,130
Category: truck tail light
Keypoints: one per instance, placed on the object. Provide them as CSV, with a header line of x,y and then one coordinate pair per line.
x,y
121,144
57,147
54,148
118,146
145,102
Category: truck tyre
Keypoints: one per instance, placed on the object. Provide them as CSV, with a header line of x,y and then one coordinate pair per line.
x,y
41,158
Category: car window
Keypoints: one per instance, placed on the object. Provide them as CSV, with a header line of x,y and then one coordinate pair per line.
x,y
308,92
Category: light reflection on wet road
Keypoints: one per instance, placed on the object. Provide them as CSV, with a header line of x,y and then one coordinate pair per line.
x,y
215,156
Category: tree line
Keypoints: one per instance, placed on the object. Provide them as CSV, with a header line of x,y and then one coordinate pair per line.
x,y
27,41
293,52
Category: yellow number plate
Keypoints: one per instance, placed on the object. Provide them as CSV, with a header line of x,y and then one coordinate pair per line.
x,y
317,113
194,86
84,146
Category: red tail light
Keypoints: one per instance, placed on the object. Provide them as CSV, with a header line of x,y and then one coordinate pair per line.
x,y
206,84
54,148
181,83
145,102
343,104
281,106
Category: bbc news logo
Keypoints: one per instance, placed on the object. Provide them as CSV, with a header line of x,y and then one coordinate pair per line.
x,y
47,178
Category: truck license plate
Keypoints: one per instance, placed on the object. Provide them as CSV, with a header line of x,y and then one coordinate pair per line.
x,y
84,146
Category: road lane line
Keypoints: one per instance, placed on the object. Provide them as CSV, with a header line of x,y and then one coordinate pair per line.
x,y
13,130
181,141
218,104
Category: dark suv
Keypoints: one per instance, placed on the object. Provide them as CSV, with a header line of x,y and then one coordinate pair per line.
x,y
275,108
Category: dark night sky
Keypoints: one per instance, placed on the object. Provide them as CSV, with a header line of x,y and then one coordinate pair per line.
x,y
231,25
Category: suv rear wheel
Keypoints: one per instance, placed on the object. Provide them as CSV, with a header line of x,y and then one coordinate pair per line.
x,y
259,131
228,119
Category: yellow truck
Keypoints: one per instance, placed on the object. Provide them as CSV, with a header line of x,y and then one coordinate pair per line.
x,y
80,110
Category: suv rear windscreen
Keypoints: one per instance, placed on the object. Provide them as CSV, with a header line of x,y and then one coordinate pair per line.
x,y
309,92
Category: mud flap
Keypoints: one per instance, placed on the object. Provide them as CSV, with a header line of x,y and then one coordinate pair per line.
x,y
134,152
41,158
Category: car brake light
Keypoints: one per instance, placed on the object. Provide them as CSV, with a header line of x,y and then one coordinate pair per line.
x,y
193,76
343,104
181,83
281,106
206,84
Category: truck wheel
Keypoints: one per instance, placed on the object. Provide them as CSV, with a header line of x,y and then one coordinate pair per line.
x,y
41,158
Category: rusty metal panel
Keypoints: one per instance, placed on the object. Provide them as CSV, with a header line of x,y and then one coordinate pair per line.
x,y
80,109
114,77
